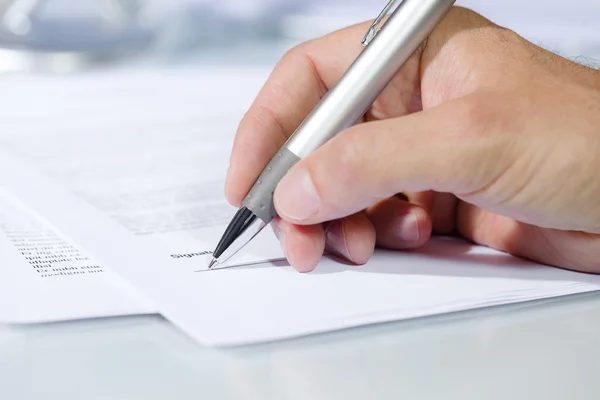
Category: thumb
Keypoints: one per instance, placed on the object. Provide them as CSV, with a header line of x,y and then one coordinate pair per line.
x,y
450,148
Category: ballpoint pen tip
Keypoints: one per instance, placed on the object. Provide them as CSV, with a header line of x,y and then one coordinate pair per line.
x,y
213,262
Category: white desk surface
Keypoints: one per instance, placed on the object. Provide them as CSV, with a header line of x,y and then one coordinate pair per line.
x,y
544,350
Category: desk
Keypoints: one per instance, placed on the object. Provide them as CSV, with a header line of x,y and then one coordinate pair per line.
x,y
542,350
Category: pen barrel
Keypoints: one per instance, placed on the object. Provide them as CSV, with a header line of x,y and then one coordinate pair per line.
x,y
406,29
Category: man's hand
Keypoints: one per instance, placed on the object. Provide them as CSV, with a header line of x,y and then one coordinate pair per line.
x,y
481,133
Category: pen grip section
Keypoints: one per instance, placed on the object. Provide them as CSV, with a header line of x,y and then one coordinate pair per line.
x,y
260,198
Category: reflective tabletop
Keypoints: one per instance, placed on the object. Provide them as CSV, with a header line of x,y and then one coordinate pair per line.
x,y
539,350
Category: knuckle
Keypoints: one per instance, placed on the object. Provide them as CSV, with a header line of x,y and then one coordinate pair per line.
x,y
505,36
302,56
461,15
296,52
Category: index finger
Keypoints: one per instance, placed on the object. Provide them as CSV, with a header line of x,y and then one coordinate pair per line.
x,y
295,86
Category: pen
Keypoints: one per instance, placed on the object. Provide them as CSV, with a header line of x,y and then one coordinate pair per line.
x,y
385,52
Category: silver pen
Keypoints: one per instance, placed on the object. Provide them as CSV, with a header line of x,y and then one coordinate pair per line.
x,y
385,52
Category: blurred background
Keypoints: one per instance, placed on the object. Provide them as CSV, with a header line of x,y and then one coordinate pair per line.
x,y
61,36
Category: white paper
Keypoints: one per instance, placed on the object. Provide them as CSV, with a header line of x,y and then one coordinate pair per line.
x,y
158,179
45,277
128,166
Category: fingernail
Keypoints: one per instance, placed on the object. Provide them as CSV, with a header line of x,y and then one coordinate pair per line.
x,y
297,197
407,229
279,234
336,239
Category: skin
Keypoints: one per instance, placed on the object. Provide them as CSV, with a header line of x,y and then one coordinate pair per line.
x,y
481,134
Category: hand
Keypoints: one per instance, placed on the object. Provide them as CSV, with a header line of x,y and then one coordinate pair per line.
x,y
481,134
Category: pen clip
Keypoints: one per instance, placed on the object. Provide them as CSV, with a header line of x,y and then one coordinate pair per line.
x,y
372,32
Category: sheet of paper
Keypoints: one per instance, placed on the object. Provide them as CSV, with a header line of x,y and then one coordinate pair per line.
x,y
46,277
130,167
148,152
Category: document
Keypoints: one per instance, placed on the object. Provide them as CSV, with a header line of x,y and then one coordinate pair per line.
x,y
123,176
158,180
45,277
